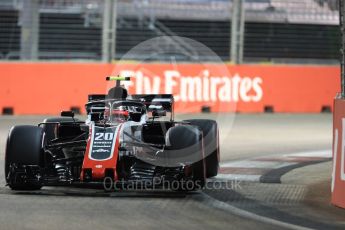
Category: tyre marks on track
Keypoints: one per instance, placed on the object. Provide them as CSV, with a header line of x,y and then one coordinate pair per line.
x,y
269,169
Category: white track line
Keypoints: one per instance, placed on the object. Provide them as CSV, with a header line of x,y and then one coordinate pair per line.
x,y
256,164
321,154
236,177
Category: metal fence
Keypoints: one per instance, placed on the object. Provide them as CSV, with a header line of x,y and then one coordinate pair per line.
x,y
297,31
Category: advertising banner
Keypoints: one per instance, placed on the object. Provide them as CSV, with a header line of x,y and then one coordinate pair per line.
x,y
48,88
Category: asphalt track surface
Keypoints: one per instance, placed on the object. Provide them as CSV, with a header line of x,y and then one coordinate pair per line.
x,y
249,136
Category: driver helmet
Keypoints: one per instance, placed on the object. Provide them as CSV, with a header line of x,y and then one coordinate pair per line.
x,y
118,114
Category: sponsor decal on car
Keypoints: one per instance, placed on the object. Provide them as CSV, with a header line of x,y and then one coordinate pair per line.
x,y
103,140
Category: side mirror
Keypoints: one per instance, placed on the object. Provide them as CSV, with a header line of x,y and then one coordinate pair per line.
x,y
67,114
159,113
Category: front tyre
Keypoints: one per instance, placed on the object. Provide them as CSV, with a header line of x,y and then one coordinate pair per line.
x,y
187,141
24,157
211,144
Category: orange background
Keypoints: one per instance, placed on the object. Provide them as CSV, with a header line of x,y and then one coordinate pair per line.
x,y
48,88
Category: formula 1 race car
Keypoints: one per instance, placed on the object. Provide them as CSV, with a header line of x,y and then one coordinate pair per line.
x,y
126,139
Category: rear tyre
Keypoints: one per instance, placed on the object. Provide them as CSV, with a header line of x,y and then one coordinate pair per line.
x,y
24,149
49,129
211,144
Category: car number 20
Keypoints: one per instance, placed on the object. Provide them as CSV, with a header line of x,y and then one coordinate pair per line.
x,y
104,136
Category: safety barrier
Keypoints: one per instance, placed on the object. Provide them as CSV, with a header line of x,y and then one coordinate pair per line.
x,y
338,175
48,88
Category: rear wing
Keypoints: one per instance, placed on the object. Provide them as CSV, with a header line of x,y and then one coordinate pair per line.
x,y
156,101
151,102
96,97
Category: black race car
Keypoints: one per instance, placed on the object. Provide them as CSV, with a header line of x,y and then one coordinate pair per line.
x,y
125,140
